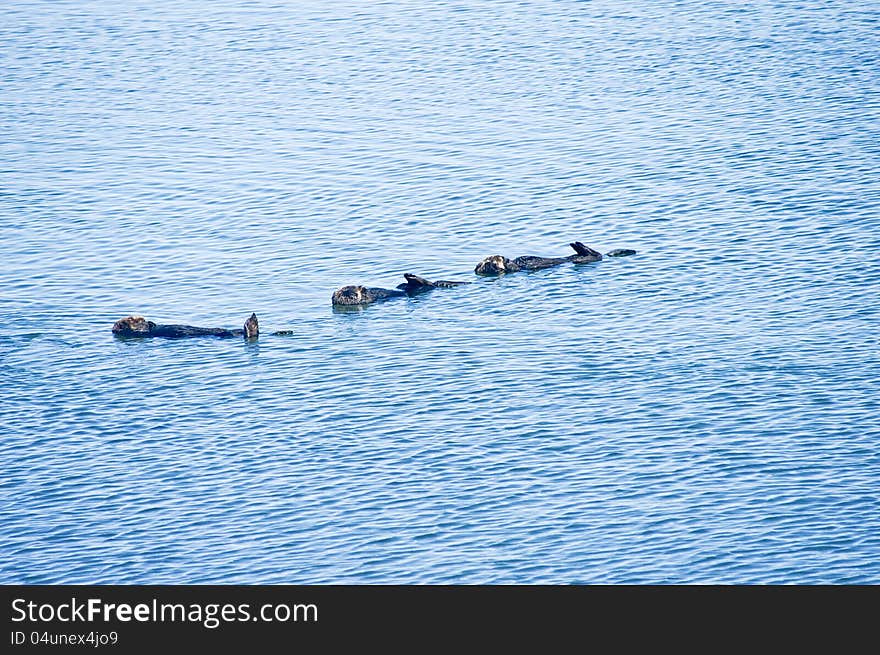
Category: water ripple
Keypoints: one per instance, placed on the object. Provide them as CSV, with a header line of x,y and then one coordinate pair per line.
x,y
702,412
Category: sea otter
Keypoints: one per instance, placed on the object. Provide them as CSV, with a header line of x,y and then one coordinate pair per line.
x,y
358,295
138,326
496,264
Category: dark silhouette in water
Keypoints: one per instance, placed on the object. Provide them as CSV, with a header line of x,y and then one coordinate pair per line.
x,y
359,295
497,264
138,326
355,295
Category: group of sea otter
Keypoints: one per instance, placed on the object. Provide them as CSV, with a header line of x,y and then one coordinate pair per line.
x,y
138,326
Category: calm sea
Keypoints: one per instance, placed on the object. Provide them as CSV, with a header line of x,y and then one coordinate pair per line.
x,y
705,411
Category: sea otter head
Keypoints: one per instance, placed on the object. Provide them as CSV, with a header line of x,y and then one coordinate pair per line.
x,y
495,265
251,327
351,295
133,326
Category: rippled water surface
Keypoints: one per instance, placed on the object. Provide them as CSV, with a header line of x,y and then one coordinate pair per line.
x,y
704,411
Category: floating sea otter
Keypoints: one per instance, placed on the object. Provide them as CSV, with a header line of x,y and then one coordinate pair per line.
x,y
138,326
496,264
358,295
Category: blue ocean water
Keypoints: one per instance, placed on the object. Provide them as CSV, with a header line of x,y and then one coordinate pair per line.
x,y
703,412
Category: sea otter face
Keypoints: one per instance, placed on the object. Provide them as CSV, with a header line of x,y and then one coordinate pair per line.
x,y
351,295
133,326
494,265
